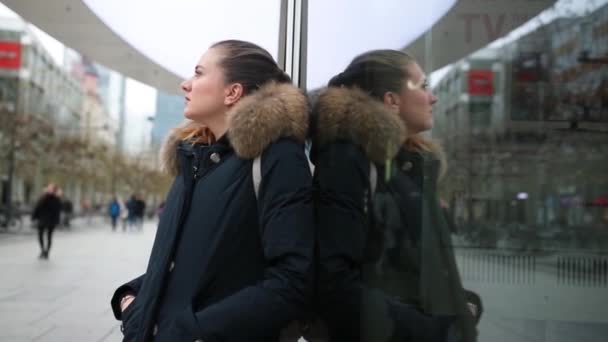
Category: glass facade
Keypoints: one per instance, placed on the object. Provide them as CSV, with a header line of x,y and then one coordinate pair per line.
x,y
522,119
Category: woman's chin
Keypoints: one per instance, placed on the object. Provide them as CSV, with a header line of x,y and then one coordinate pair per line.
x,y
188,116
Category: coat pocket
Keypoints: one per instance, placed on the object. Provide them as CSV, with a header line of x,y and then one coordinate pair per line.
x,y
129,322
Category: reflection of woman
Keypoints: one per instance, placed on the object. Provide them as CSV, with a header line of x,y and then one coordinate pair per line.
x,y
229,264
383,240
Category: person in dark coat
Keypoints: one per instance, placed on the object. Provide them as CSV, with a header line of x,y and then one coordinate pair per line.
x,y
140,211
67,208
227,264
132,212
47,212
386,261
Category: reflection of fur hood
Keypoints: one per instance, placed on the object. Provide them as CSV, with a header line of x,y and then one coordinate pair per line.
x,y
272,112
349,114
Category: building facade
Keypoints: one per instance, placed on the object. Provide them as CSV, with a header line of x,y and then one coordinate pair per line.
x,y
521,124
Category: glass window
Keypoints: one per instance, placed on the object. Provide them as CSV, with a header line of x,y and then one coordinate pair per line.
x,y
522,116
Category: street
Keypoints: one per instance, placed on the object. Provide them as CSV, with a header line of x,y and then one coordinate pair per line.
x,y
66,298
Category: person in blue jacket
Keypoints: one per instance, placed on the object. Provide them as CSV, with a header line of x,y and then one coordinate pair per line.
x,y
114,212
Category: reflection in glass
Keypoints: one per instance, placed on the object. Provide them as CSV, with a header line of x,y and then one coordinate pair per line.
x,y
525,126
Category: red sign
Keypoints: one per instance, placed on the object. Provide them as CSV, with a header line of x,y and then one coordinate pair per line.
x,y
10,55
481,82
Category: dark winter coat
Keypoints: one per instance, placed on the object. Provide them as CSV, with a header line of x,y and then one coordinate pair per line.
x,y
386,262
140,208
132,208
226,266
48,210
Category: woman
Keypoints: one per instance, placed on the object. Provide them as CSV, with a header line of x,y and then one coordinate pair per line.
x,y
227,265
386,261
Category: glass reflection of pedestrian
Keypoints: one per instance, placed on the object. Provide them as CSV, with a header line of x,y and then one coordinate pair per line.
x,y
47,212
231,261
386,260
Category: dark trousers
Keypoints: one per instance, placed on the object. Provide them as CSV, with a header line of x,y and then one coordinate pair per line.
x,y
48,228
114,221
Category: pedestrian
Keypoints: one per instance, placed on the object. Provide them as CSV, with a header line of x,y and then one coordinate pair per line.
x,y
114,212
159,209
132,212
86,210
231,261
67,209
124,214
386,262
47,213
140,212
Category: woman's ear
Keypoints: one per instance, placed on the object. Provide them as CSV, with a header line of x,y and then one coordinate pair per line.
x,y
392,100
234,92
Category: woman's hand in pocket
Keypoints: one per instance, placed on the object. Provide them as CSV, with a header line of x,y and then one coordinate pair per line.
x,y
126,301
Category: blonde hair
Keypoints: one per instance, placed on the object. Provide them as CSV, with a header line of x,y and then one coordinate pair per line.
x,y
194,133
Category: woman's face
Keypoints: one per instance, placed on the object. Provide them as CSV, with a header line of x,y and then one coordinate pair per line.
x,y
416,101
206,90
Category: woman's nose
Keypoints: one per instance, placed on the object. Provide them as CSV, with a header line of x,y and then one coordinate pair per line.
x,y
185,85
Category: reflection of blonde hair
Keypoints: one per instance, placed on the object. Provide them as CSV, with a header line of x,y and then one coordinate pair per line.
x,y
419,143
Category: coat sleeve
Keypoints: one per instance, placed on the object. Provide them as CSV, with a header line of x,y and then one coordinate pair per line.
x,y
38,208
132,286
341,182
351,310
286,232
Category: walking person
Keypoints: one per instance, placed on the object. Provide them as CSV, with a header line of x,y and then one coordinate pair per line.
x,y
132,212
232,260
47,212
387,268
67,208
114,212
140,212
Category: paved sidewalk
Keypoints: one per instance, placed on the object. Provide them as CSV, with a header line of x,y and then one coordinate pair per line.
x,y
66,298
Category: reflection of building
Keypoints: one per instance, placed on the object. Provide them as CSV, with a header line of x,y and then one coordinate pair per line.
x,y
517,120
169,114
468,117
40,103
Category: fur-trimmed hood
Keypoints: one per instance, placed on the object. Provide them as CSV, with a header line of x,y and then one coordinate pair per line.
x,y
272,112
350,114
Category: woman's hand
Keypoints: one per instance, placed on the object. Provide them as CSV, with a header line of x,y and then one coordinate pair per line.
x,y
126,301
473,308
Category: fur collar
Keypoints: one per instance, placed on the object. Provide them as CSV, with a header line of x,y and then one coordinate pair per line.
x,y
257,120
349,114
